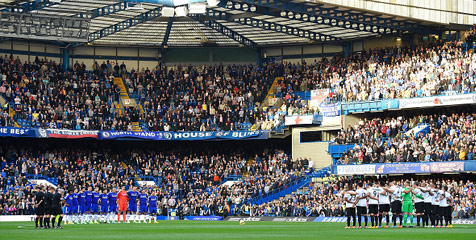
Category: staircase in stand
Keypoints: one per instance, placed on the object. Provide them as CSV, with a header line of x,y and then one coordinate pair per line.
x,y
125,99
266,102
136,127
122,87
287,190
11,112
249,162
282,191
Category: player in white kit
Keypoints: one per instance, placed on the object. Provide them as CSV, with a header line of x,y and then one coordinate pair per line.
x,y
383,205
445,207
350,201
361,204
418,203
373,194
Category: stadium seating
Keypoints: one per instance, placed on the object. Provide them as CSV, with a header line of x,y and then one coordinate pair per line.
x,y
400,139
183,98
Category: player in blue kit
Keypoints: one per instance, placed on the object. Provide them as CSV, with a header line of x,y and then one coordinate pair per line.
x,y
143,205
133,194
95,205
82,205
153,207
68,210
104,209
112,198
87,205
75,206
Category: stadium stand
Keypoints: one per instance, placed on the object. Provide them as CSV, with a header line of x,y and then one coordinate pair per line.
x,y
190,176
416,139
184,98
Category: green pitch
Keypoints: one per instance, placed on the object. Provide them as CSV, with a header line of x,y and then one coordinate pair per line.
x,y
227,230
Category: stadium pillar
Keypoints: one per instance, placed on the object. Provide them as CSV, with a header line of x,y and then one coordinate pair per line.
x,y
65,56
347,48
162,58
258,56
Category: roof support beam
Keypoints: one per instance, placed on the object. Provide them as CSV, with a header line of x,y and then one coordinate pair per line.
x,y
271,26
144,17
30,6
104,11
167,32
225,31
320,15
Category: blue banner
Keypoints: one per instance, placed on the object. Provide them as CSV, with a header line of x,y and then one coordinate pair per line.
x,y
470,166
130,135
191,218
329,110
395,168
204,218
184,136
18,132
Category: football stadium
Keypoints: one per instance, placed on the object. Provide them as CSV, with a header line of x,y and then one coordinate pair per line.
x,y
237,119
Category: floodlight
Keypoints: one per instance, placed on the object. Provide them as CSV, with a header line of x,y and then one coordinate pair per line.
x,y
167,12
197,8
213,3
181,11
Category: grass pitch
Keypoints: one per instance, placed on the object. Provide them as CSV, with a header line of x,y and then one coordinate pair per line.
x,y
228,230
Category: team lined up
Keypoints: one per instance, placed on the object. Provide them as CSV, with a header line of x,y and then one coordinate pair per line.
x,y
430,204
88,206
99,206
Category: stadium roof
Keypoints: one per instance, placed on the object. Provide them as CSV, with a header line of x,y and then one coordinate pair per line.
x,y
231,23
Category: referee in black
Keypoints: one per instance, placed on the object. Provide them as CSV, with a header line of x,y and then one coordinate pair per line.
x,y
40,206
56,209
48,206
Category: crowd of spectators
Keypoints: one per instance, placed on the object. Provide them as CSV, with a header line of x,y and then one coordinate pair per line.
x,y
384,140
42,93
200,98
178,98
191,178
385,73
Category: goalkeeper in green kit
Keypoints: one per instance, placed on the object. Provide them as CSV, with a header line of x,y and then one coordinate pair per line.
x,y
407,205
